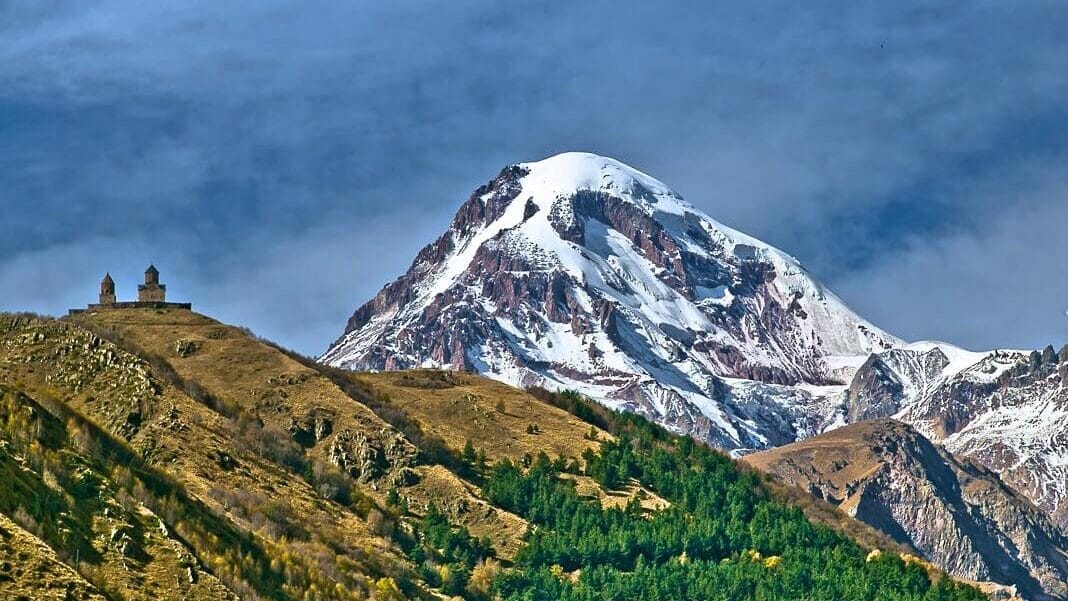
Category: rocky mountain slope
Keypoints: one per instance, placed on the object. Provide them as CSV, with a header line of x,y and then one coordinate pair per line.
x,y
580,272
30,569
1006,410
163,453
956,513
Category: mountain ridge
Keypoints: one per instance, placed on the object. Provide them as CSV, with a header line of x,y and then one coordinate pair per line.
x,y
579,272
1008,411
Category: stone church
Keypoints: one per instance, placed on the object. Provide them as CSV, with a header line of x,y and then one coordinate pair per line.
x,y
150,295
151,291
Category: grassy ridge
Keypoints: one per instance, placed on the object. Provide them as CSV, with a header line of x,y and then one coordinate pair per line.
x,y
244,452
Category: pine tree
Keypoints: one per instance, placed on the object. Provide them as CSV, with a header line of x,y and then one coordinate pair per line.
x,y
393,498
468,454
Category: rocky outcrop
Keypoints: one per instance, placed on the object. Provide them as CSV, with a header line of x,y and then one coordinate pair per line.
x,y
312,427
958,514
368,458
185,348
891,378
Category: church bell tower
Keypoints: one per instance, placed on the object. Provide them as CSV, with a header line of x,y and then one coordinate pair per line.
x,y
107,290
151,291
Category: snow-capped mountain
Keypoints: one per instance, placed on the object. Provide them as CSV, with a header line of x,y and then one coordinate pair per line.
x,y
578,271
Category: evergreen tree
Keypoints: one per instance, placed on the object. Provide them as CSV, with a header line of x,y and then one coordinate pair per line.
x,y
469,456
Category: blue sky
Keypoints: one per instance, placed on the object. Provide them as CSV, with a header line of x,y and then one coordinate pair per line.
x,y
280,161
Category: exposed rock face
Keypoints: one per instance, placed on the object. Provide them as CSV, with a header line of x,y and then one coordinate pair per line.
x,y
368,458
313,427
578,271
960,515
185,348
1006,410
888,379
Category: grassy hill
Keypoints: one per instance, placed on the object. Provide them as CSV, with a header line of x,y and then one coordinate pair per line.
x,y
162,454
31,570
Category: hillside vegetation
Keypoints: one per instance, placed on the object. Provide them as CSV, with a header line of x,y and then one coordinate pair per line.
x,y
161,454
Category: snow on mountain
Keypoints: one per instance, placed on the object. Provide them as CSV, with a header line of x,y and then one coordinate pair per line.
x,y
890,380
578,271
1007,410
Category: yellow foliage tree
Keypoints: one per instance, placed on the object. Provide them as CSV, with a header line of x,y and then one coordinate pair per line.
x,y
482,576
386,589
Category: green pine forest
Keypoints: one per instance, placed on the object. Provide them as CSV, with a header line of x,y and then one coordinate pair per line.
x,y
723,538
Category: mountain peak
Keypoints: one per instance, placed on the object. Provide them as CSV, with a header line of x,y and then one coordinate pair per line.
x,y
578,271
568,172
557,178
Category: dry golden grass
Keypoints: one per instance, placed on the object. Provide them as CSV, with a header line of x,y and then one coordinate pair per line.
x,y
458,498
457,407
188,440
123,551
839,457
29,569
649,500
243,371
235,367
